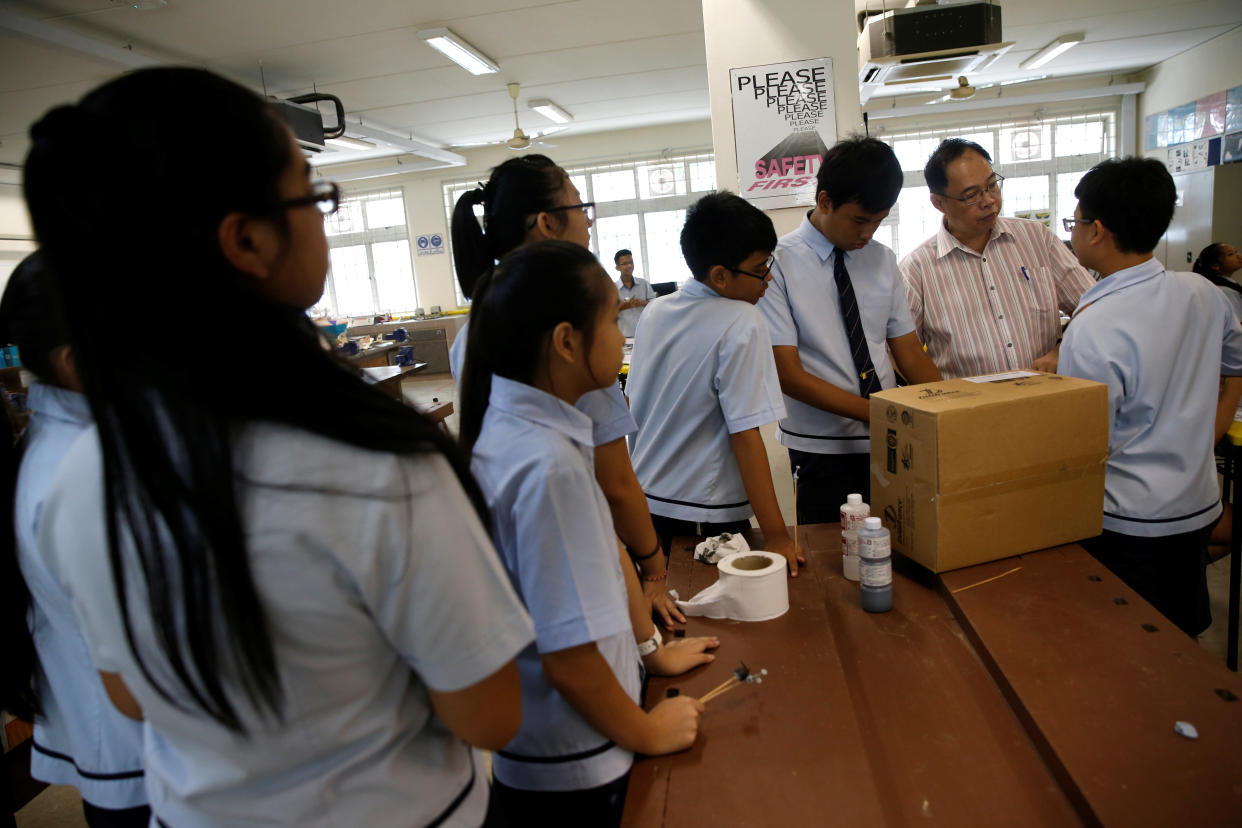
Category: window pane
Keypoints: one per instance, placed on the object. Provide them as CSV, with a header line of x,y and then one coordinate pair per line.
x,y
616,233
386,212
348,219
580,181
664,246
702,176
1024,143
394,277
987,140
1026,196
1066,200
884,235
613,186
661,180
917,219
1080,139
913,152
352,281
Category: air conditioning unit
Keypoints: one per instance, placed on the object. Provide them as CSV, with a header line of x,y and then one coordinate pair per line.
x,y
928,43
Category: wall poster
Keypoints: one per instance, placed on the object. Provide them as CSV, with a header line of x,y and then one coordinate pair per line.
x,y
784,120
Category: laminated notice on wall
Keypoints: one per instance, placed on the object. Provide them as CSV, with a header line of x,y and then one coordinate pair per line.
x,y
784,120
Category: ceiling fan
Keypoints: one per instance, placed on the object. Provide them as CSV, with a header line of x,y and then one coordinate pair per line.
x,y
520,139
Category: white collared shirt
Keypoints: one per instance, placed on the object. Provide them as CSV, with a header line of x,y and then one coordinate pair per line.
x,y
702,370
995,311
378,582
606,407
80,739
1160,341
628,320
535,462
803,310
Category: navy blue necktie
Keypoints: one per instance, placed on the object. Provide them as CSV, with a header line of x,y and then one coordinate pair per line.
x,y
868,382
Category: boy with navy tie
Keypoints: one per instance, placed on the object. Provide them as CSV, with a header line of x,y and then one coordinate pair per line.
x,y
702,383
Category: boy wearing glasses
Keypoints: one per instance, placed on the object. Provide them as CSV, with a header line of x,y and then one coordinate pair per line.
x,y
835,309
702,383
1170,350
984,291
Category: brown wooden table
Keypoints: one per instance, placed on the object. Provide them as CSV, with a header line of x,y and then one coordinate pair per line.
x,y
898,718
388,378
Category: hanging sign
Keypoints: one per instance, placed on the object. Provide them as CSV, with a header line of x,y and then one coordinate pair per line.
x,y
784,120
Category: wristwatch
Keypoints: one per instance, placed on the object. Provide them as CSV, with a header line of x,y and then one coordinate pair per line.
x,y
652,644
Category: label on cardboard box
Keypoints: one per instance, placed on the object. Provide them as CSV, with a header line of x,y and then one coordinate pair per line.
x,y
967,471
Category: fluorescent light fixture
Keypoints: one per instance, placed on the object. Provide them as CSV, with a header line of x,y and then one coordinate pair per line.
x,y
347,144
459,51
550,110
1057,47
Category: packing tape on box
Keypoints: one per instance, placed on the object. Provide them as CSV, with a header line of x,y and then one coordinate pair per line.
x,y
751,586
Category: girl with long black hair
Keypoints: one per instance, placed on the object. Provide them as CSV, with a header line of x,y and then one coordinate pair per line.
x,y
544,334
526,200
79,738
1217,263
285,572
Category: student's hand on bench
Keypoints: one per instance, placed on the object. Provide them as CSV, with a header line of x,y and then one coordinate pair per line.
x,y
677,655
674,725
663,607
782,545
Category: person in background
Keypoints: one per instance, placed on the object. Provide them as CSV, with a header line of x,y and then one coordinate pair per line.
x,y
80,739
529,199
702,382
544,334
985,291
1217,263
835,308
286,573
635,292
1164,343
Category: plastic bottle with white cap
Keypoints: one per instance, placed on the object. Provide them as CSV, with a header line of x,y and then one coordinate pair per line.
x,y
853,512
875,564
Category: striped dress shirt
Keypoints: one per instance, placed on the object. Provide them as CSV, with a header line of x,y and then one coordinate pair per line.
x,y
995,311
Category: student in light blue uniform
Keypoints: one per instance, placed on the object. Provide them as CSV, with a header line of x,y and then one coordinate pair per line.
x,y
283,571
635,293
702,382
829,270
531,355
530,199
79,737
1169,347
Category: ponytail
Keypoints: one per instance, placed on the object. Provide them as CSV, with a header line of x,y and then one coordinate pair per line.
x,y
516,190
516,306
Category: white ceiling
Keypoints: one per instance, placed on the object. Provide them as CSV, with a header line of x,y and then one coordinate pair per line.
x,y
611,64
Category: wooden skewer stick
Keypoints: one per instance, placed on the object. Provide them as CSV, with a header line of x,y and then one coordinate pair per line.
x,y
723,687
795,477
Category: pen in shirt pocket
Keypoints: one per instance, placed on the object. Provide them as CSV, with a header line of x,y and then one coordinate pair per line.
x,y
1027,277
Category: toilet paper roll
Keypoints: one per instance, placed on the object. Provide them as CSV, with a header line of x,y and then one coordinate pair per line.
x,y
752,586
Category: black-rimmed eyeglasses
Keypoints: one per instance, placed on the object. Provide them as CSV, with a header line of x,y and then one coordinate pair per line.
x,y
992,188
767,270
325,195
587,208
1069,223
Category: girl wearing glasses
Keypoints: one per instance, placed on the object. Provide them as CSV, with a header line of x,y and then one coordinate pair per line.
x,y
530,199
284,572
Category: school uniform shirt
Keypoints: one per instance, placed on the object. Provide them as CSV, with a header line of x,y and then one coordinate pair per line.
x,y
607,408
80,739
378,584
552,527
994,311
1161,342
628,320
802,309
701,370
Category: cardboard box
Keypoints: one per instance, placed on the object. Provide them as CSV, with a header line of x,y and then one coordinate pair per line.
x,y
970,470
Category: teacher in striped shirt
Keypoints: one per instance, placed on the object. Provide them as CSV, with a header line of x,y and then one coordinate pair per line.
x,y
985,291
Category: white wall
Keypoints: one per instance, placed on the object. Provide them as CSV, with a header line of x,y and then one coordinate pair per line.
x,y
424,195
1210,67
14,224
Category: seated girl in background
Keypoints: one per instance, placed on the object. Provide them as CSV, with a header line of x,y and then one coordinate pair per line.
x,y
80,739
1217,263
545,333
285,572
